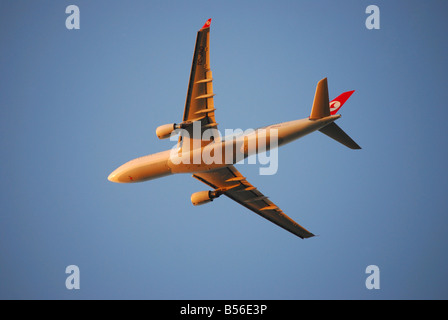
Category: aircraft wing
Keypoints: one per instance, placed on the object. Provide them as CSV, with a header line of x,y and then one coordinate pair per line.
x,y
199,103
232,183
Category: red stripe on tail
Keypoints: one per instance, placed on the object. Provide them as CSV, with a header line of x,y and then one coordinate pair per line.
x,y
338,102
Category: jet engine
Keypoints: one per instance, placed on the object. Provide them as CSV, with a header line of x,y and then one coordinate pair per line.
x,y
165,131
203,197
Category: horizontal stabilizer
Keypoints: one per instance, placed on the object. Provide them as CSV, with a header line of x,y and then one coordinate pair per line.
x,y
334,131
321,103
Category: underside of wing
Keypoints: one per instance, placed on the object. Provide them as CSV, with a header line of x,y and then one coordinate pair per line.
x,y
230,182
199,106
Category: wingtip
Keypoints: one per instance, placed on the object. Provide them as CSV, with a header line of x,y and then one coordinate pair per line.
x,y
207,24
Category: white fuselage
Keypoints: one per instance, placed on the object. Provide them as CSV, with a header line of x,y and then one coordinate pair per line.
x,y
217,154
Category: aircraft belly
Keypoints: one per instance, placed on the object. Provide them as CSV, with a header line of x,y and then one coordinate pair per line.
x,y
142,169
293,130
191,166
149,171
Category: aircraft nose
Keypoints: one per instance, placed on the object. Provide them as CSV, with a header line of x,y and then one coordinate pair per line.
x,y
113,177
121,175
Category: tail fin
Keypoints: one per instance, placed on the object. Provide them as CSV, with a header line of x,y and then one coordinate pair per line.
x,y
321,104
338,102
334,131
323,108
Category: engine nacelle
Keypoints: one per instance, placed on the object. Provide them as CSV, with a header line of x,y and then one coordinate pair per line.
x,y
164,132
203,197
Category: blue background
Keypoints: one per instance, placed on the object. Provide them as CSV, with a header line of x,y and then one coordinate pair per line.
x,y
76,104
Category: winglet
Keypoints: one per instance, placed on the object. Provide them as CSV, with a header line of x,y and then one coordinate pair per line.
x,y
207,24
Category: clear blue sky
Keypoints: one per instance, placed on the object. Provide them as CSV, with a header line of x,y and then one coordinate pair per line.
x,y
76,104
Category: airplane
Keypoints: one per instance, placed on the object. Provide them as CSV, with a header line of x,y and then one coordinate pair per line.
x,y
222,176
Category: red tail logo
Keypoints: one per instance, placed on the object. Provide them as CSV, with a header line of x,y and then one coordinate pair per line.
x,y
337,103
207,24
